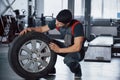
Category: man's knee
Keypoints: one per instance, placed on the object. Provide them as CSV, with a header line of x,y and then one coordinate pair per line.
x,y
67,60
72,64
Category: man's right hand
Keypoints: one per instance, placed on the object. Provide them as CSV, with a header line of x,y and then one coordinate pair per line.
x,y
25,31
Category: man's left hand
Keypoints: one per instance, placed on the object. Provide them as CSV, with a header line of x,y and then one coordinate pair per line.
x,y
54,47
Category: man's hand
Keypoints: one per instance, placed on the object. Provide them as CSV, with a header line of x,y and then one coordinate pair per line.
x,y
25,31
54,47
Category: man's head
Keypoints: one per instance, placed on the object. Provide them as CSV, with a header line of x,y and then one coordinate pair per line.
x,y
64,16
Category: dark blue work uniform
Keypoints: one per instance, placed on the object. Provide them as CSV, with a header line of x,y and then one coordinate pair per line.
x,y
72,59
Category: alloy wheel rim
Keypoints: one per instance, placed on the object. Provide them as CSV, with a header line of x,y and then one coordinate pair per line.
x,y
34,56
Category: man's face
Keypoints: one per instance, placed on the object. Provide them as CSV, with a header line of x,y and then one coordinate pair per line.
x,y
59,24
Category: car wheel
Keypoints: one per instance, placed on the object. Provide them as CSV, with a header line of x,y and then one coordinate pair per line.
x,y
30,56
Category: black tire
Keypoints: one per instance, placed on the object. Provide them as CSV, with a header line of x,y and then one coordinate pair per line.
x,y
37,65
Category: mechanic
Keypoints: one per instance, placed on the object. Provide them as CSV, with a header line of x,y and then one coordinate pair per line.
x,y
73,34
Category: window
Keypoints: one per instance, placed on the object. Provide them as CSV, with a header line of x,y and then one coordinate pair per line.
x,y
96,8
78,8
118,9
53,6
105,8
110,9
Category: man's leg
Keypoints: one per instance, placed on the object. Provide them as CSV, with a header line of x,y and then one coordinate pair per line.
x,y
72,61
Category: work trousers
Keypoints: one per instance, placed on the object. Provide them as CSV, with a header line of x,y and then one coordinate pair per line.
x,y
70,59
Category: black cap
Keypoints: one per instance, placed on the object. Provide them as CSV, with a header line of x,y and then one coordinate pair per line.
x,y
64,16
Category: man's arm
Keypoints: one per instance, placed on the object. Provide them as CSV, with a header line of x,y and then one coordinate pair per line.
x,y
74,48
37,29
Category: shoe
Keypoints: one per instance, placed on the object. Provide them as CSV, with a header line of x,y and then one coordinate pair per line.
x,y
77,76
53,71
78,79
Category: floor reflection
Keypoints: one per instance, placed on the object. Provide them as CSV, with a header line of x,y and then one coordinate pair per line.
x,y
48,77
